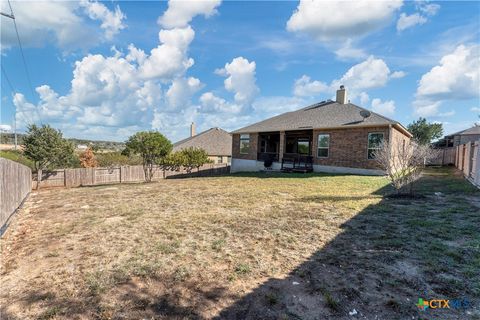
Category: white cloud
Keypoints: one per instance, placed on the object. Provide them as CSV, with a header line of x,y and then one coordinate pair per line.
x,y
368,74
135,55
447,114
333,20
426,108
170,58
65,24
475,109
371,73
180,13
456,77
385,108
274,105
348,51
241,79
112,96
119,91
304,87
408,21
398,74
424,11
112,21
181,90
364,98
429,9
338,24
213,104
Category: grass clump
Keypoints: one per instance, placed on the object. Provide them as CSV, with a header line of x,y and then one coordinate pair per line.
x,y
242,269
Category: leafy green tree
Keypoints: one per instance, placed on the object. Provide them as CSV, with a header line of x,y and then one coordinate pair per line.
x,y
424,132
152,146
194,158
173,162
47,148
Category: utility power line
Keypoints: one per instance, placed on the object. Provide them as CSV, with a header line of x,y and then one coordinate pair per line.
x,y
12,89
21,51
8,80
12,16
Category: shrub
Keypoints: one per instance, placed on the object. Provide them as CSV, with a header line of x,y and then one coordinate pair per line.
x,y
112,159
87,159
194,158
403,164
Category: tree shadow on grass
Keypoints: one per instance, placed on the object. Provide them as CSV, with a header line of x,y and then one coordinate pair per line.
x,y
164,299
385,259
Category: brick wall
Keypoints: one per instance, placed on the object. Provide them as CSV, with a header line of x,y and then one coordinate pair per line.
x,y
348,147
252,153
397,142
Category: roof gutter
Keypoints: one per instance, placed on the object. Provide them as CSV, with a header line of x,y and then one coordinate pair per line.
x,y
403,130
397,125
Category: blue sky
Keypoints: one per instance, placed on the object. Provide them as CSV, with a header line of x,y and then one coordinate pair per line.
x,y
104,70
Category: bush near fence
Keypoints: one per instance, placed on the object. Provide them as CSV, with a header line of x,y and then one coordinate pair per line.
x,y
122,174
15,185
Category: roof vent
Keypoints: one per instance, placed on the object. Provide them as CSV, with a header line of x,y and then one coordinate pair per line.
x,y
365,114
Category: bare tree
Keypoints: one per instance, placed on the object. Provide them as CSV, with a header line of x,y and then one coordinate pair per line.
x,y
403,162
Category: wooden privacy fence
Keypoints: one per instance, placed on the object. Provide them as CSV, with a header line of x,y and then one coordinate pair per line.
x,y
123,174
468,161
445,156
15,185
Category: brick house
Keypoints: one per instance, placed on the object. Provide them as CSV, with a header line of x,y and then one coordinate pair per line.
x,y
468,135
215,141
333,136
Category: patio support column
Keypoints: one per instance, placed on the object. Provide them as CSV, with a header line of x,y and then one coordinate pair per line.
x,y
281,150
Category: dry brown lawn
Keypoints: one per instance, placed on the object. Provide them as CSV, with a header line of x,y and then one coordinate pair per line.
x,y
253,246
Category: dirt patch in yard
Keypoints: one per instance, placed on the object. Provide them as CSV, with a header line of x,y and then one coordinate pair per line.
x,y
243,247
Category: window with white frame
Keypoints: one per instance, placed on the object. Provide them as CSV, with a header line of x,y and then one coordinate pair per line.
x,y
323,145
244,143
375,140
220,159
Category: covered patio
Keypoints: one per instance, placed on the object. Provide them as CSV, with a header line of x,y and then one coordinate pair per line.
x,y
292,149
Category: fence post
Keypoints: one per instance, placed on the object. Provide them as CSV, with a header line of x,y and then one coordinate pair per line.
x,y
120,173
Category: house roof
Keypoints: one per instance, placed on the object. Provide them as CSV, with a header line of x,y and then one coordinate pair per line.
x,y
472,130
216,141
324,115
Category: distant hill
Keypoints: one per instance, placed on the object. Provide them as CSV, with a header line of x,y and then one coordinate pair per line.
x,y
9,138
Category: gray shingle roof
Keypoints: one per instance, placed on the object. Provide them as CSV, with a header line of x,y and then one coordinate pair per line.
x,y
216,141
326,114
472,130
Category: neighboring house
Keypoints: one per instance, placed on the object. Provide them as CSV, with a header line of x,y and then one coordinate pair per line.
x,y
215,141
333,136
448,145
469,135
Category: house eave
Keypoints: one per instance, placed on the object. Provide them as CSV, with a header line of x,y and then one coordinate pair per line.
x,y
370,125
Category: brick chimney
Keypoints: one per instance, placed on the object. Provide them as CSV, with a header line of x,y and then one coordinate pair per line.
x,y
192,129
342,95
